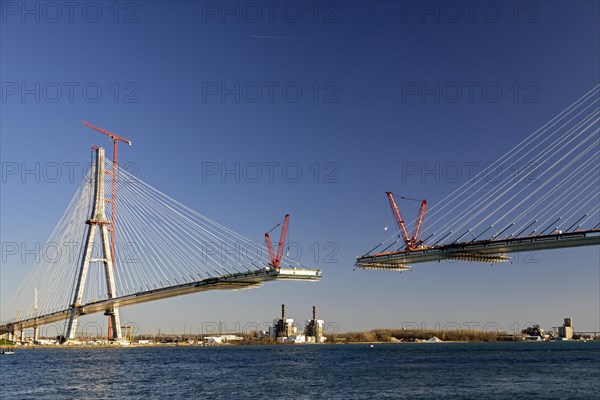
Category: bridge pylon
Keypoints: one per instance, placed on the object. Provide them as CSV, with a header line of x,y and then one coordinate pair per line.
x,y
97,221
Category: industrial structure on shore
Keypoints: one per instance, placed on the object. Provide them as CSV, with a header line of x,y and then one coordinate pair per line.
x,y
566,331
284,330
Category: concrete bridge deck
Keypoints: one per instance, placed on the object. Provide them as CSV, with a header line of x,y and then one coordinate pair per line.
x,y
237,281
490,251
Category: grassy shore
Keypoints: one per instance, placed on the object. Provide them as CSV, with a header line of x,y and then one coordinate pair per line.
x,y
412,335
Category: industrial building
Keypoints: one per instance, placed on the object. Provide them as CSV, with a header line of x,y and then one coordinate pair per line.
x,y
283,327
566,331
284,330
314,328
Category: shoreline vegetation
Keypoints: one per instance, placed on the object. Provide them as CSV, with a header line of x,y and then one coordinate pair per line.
x,y
420,335
375,336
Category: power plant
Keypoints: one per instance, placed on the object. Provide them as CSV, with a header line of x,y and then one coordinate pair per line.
x,y
284,330
283,327
314,327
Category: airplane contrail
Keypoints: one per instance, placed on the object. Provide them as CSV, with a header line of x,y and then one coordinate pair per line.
x,y
270,37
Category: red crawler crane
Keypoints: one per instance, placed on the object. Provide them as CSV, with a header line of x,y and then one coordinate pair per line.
x,y
411,242
116,139
276,259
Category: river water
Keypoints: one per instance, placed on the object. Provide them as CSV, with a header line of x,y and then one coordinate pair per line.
x,y
550,370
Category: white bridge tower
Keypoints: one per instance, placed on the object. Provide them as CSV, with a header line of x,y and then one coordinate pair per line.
x,y
97,221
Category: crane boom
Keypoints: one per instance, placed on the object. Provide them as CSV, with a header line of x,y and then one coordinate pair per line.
x,y
399,219
284,229
270,247
418,223
113,136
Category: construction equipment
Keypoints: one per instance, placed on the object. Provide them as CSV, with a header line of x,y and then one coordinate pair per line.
x,y
113,216
276,259
411,242
128,329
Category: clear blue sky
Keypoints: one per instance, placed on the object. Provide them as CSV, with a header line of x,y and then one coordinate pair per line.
x,y
168,71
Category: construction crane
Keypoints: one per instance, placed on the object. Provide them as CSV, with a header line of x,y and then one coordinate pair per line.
x,y
276,259
412,242
113,201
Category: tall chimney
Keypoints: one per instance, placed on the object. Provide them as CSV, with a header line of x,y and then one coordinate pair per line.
x,y
314,312
283,312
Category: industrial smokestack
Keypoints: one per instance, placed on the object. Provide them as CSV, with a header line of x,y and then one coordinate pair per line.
x,y
283,312
314,312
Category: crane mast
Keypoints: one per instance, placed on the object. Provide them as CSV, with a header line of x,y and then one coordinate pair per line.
x,y
276,259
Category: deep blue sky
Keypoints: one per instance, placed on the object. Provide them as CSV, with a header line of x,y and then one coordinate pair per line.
x,y
362,56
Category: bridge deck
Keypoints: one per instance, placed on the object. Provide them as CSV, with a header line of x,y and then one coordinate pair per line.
x,y
480,251
236,281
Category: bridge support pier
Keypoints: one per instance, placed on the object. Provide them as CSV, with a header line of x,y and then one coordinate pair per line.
x,y
72,326
98,221
36,334
12,334
115,323
22,335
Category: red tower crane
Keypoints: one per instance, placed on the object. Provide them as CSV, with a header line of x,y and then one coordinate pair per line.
x,y
411,242
276,259
113,200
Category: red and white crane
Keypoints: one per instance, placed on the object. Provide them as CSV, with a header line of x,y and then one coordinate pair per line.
x,y
411,242
276,259
116,139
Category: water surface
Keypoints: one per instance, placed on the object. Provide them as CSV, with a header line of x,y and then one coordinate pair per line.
x,y
554,370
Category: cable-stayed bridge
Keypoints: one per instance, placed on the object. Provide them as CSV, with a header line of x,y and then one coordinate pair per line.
x,y
542,194
164,249
161,249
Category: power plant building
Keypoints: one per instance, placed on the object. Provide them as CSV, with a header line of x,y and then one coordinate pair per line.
x,y
284,330
283,327
314,328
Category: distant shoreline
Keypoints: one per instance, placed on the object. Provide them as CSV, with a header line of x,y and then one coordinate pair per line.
x,y
376,336
150,345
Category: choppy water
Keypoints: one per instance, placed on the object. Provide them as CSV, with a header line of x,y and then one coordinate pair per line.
x,y
412,371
